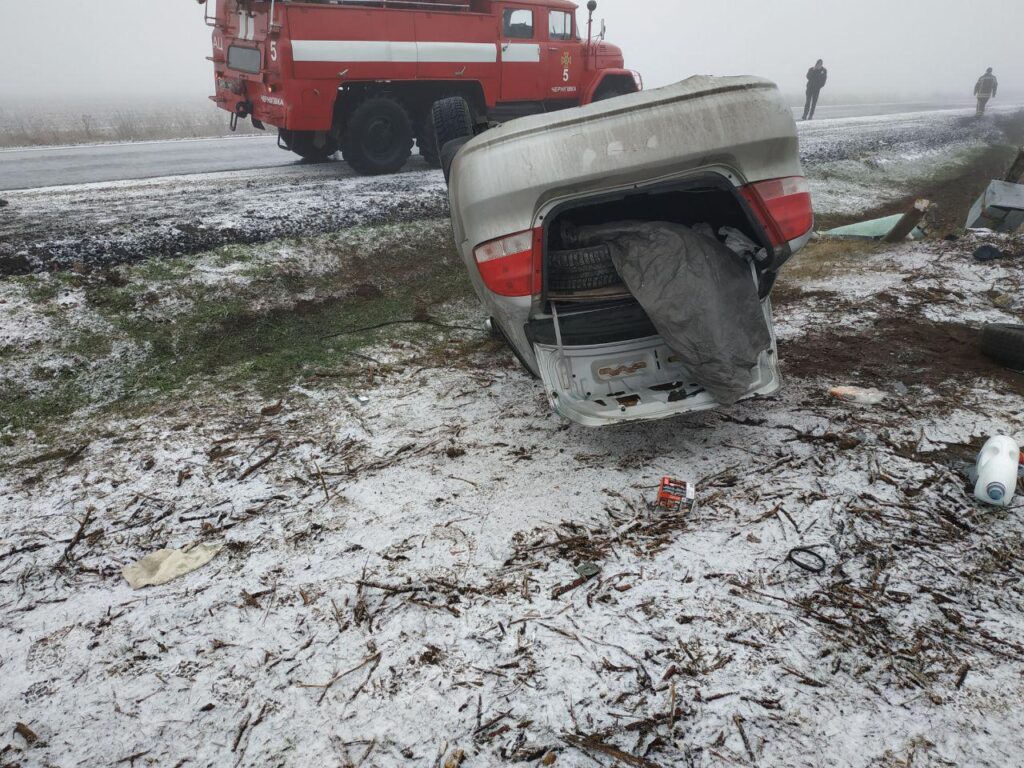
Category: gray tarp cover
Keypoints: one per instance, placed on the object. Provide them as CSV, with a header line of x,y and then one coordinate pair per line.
x,y
698,294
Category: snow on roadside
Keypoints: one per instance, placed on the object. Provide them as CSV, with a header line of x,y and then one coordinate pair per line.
x,y
180,215
853,165
859,164
394,550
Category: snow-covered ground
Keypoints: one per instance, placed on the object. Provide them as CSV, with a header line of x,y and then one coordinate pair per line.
x,y
858,164
97,224
854,164
423,566
397,582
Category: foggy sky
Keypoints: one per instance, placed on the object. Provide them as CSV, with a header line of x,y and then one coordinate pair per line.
x,y
81,50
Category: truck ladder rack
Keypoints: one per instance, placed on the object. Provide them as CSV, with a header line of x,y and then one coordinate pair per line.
x,y
418,5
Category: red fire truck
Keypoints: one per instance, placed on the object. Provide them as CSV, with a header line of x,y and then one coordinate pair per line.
x,y
360,76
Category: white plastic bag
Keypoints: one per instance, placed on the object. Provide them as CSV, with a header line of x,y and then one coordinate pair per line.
x,y
164,565
858,395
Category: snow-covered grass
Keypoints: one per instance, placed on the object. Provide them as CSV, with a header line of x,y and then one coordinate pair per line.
x,y
861,164
399,582
264,315
174,216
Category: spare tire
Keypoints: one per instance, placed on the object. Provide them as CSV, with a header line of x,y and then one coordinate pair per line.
x,y
1004,343
448,153
452,119
582,269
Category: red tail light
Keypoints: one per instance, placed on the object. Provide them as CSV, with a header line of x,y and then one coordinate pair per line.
x,y
508,267
783,206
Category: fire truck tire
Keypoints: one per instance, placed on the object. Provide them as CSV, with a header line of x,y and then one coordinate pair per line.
x,y
452,120
427,142
378,137
448,153
303,144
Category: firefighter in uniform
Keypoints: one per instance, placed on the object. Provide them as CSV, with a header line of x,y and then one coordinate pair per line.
x,y
985,89
817,76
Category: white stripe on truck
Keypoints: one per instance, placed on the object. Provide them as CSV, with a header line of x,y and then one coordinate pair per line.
x,y
388,52
526,53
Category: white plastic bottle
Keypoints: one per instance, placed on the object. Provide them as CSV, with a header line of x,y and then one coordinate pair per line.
x,y
998,463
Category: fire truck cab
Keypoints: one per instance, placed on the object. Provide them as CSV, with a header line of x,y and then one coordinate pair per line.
x,y
360,76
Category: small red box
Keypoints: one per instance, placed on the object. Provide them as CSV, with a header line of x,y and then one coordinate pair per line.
x,y
676,495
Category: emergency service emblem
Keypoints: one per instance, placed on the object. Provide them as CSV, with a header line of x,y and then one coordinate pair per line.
x,y
566,63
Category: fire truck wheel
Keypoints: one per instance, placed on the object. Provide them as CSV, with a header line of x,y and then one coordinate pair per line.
x,y
452,120
378,138
303,144
427,142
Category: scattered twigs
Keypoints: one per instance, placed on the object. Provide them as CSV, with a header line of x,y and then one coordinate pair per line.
x,y
79,535
130,759
564,589
241,731
69,455
383,462
743,735
389,323
393,589
591,744
961,675
374,660
432,606
22,550
323,483
26,733
804,678
248,724
252,469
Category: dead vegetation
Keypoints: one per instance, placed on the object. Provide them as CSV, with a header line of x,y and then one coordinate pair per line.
x,y
21,127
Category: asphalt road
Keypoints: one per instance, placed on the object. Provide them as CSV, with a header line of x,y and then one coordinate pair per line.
x,y
54,166
58,166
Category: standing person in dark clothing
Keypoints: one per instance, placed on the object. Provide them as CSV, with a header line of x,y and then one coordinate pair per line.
x,y
817,76
985,89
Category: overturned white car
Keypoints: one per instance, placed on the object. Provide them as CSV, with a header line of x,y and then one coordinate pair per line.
x,y
627,249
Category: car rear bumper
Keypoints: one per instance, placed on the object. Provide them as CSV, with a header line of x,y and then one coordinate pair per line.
x,y
639,379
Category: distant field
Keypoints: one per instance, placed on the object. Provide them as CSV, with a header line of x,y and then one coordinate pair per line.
x,y
59,124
